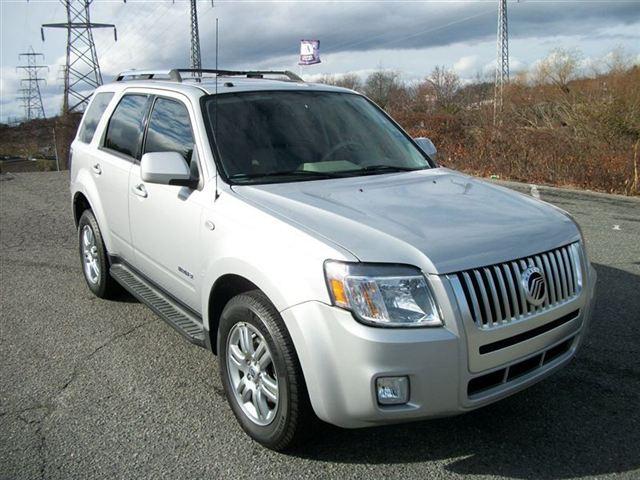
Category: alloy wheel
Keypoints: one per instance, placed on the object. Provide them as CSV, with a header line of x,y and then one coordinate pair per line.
x,y
91,261
252,373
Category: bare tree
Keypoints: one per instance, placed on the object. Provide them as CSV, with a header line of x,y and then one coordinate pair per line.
x,y
559,68
618,60
327,79
382,85
445,83
440,88
348,80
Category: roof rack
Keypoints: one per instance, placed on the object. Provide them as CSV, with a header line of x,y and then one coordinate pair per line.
x,y
175,74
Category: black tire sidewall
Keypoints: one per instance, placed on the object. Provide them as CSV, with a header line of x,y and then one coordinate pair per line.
x,y
100,288
238,310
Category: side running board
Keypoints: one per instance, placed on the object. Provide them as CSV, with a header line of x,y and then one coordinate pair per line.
x,y
185,322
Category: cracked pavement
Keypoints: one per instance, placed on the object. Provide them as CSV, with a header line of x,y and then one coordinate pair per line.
x,y
104,389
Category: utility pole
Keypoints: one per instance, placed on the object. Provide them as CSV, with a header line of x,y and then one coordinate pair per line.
x,y
82,70
502,61
30,93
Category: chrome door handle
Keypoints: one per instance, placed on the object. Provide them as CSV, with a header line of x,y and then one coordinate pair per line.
x,y
97,169
140,190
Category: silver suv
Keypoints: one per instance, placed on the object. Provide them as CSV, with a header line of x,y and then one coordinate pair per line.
x,y
300,234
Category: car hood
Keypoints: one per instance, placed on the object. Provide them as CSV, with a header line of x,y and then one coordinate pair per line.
x,y
456,221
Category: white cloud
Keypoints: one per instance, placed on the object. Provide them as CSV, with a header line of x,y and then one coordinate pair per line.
x,y
467,65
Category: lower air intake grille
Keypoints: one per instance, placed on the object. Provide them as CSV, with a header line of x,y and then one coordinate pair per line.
x,y
505,375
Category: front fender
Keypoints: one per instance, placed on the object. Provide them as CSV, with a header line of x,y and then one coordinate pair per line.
x,y
284,262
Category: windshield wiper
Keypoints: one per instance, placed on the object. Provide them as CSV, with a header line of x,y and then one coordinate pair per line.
x,y
369,169
375,168
288,173
384,168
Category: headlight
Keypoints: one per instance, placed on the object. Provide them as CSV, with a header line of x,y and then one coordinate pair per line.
x,y
382,295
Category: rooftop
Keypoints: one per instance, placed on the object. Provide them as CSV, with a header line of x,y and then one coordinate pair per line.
x,y
220,81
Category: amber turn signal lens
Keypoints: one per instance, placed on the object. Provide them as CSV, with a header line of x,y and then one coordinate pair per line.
x,y
339,295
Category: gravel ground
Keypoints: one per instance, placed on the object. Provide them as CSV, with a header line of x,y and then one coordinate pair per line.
x,y
103,389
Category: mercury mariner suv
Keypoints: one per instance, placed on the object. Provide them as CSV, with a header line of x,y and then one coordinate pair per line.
x,y
322,254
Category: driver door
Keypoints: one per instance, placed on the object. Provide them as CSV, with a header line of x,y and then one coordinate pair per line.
x,y
166,220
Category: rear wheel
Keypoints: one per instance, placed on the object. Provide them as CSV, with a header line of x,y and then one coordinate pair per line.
x,y
93,255
260,371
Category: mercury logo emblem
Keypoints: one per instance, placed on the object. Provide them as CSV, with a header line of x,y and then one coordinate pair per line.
x,y
534,285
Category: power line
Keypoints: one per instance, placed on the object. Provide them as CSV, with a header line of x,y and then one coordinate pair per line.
x,y
151,20
82,70
30,91
344,46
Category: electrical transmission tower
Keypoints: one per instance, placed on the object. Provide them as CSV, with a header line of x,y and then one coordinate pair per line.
x,y
30,93
196,61
82,70
502,62
194,55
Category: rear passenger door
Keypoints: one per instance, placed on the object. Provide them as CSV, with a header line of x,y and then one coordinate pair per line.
x,y
165,220
120,147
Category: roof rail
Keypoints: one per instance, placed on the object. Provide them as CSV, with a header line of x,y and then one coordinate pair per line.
x,y
175,74
148,75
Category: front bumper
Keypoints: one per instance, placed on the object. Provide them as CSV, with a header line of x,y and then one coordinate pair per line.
x,y
342,358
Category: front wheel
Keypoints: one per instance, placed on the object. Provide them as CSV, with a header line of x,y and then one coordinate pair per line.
x,y
260,371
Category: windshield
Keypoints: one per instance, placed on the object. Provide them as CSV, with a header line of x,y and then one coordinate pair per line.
x,y
283,136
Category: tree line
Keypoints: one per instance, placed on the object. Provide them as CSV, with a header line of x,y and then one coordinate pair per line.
x,y
566,121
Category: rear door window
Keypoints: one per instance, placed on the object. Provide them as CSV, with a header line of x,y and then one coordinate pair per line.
x,y
124,133
93,115
170,129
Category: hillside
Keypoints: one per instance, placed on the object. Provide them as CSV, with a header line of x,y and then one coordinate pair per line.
x,y
36,139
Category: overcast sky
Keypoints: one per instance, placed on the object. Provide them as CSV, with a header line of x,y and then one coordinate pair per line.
x,y
356,36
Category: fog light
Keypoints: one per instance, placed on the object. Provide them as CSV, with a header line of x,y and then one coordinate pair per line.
x,y
392,390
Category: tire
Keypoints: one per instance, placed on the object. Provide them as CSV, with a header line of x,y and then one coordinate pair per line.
x,y
92,250
291,414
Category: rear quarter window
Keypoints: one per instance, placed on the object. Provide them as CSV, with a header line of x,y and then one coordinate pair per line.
x,y
93,115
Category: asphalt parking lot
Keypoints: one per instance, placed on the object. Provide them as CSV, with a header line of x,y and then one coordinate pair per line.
x,y
104,389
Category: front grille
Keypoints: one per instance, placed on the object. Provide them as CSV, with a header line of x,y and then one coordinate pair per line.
x,y
495,294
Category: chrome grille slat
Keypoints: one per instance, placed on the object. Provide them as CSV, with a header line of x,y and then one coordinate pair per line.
x,y
506,308
562,273
495,295
485,298
550,281
575,264
556,276
523,301
477,313
567,265
512,289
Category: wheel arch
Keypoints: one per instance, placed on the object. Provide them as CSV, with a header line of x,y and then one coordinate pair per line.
x,y
85,195
80,204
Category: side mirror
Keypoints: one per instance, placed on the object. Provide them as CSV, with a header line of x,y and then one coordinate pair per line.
x,y
166,168
427,147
